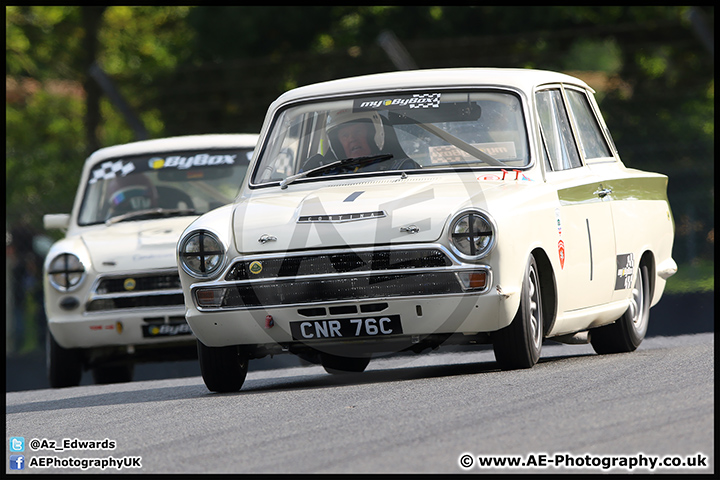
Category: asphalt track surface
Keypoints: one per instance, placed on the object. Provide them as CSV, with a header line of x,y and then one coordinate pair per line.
x,y
444,412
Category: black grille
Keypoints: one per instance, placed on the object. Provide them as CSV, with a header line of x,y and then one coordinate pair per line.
x,y
341,288
170,281
125,291
116,303
342,262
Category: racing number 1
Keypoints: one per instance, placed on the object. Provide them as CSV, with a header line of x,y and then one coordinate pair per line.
x,y
372,326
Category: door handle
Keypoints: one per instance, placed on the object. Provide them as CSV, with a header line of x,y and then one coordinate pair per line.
x,y
602,192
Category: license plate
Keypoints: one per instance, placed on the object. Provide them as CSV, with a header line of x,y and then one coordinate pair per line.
x,y
346,328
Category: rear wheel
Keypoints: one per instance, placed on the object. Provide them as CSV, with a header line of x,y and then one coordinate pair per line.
x,y
336,364
223,368
518,345
626,334
64,365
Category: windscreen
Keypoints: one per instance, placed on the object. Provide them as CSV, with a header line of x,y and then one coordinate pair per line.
x,y
190,182
408,131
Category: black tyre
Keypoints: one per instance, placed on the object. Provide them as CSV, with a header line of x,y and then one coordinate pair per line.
x,y
626,334
105,374
223,368
64,366
336,364
519,344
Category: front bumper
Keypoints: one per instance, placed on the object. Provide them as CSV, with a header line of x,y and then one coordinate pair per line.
x,y
124,308
260,300
146,327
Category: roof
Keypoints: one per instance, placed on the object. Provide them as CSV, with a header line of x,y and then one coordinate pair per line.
x,y
184,142
523,79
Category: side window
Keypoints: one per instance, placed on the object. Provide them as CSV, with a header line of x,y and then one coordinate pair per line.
x,y
556,131
592,141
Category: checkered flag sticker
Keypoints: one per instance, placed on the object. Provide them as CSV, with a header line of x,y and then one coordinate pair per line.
x,y
110,170
426,100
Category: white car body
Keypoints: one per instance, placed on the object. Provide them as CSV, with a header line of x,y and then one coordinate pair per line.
x,y
354,263
125,304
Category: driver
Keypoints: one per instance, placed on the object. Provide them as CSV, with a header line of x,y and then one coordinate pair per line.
x,y
354,139
355,135
360,134
131,193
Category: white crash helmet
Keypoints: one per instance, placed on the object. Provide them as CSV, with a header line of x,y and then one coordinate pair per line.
x,y
343,117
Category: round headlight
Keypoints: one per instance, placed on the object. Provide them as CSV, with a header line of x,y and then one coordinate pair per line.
x,y
201,254
65,272
472,234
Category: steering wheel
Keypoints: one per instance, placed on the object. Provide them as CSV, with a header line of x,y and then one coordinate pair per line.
x,y
395,163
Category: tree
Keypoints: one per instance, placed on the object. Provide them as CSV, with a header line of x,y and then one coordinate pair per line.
x,y
55,113
91,20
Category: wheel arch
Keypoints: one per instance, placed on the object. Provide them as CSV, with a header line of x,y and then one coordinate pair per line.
x,y
648,259
548,288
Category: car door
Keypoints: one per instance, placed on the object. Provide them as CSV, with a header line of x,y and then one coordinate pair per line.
x,y
586,239
640,213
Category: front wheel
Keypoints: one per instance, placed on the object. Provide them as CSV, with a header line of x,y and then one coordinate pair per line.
x,y
223,368
106,374
64,365
518,345
336,364
626,334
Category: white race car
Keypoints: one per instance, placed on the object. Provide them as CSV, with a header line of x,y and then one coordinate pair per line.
x,y
409,210
112,292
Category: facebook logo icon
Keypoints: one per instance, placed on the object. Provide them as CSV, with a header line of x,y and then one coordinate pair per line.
x,y
17,462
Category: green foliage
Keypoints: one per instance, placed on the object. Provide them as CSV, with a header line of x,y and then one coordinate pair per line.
x,y
141,42
697,276
231,32
46,65
137,45
44,156
594,56
43,42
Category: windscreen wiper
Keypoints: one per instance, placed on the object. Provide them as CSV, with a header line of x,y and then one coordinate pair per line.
x,y
150,212
464,146
344,163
